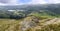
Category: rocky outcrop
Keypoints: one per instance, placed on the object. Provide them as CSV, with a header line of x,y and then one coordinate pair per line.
x,y
29,22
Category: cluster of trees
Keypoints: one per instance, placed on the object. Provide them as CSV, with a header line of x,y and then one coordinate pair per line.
x,y
22,14
12,14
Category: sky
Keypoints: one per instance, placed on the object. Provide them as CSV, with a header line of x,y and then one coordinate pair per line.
x,y
21,2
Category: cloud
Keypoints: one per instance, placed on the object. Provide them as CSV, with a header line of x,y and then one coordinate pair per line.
x,y
53,1
8,2
18,2
2,1
38,2
45,1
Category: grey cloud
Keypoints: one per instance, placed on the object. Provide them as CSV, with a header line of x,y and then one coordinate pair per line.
x,y
4,1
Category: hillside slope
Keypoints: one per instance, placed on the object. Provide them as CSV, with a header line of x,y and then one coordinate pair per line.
x,y
30,24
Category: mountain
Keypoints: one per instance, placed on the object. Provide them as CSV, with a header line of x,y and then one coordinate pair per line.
x,y
41,9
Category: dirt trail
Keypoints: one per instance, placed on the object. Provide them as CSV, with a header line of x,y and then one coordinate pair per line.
x,y
26,24
55,20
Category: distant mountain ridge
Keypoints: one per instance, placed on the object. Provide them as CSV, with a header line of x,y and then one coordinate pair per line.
x,y
48,9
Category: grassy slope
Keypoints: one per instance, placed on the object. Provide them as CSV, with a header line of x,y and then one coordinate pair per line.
x,y
14,25
8,24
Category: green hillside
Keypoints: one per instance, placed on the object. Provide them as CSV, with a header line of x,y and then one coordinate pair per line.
x,y
30,17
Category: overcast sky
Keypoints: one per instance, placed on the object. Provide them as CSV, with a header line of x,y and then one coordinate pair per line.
x,y
20,2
